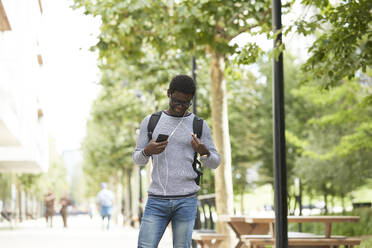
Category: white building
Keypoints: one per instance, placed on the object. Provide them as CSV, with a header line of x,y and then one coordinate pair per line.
x,y
23,137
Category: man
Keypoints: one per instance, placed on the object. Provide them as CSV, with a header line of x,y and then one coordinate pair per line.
x,y
105,200
172,192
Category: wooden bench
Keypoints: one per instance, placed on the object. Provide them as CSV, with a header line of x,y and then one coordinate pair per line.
x,y
260,241
204,234
208,240
269,221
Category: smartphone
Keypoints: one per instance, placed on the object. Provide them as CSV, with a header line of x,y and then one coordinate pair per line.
x,y
162,137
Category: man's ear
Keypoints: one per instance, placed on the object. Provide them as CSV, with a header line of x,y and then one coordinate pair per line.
x,y
169,93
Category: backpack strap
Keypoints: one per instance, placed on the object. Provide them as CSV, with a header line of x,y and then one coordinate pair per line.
x,y
154,119
197,127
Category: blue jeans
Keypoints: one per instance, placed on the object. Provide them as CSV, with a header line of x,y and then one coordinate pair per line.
x,y
159,212
106,211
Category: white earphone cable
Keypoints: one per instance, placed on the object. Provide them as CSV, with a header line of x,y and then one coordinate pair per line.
x,y
165,157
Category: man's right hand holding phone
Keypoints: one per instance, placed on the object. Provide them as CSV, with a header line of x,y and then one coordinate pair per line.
x,y
154,147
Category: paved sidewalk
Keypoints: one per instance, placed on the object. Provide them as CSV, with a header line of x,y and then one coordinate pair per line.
x,y
82,232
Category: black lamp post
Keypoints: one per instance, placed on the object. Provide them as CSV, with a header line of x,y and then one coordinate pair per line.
x,y
193,63
280,173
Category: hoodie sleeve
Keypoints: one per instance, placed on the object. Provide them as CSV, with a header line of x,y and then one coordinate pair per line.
x,y
138,156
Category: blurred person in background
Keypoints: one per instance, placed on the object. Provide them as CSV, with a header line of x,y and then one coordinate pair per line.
x,y
105,201
49,208
91,208
65,202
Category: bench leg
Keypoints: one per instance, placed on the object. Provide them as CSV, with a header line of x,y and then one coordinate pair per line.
x,y
209,244
240,244
204,244
258,246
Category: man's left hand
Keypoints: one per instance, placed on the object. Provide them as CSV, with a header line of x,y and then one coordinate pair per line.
x,y
198,146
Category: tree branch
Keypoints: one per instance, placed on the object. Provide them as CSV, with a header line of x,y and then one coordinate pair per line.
x,y
248,28
245,29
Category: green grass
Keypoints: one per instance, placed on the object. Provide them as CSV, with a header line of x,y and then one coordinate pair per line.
x,y
363,194
255,200
366,242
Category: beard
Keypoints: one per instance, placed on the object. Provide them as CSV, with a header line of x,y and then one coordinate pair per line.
x,y
178,110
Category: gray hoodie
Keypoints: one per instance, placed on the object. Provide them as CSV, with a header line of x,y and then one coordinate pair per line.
x,y
172,172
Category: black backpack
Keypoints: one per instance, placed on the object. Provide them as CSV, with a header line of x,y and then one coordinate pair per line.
x,y
197,127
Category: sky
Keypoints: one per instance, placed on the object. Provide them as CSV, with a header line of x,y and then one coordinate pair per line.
x,y
71,76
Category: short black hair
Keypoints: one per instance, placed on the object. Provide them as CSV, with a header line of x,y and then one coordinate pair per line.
x,y
182,83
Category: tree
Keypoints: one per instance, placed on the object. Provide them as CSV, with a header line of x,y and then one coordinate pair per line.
x,y
344,45
296,115
341,51
327,132
202,28
111,136
243,99
337,144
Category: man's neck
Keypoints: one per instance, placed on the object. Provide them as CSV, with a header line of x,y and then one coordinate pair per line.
x,y
171,113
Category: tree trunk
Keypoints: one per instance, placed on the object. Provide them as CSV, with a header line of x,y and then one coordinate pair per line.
x,y
242,203
118,198
292,211
325,195
127,198
26,205
20,203
343,203
223,175
135,196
